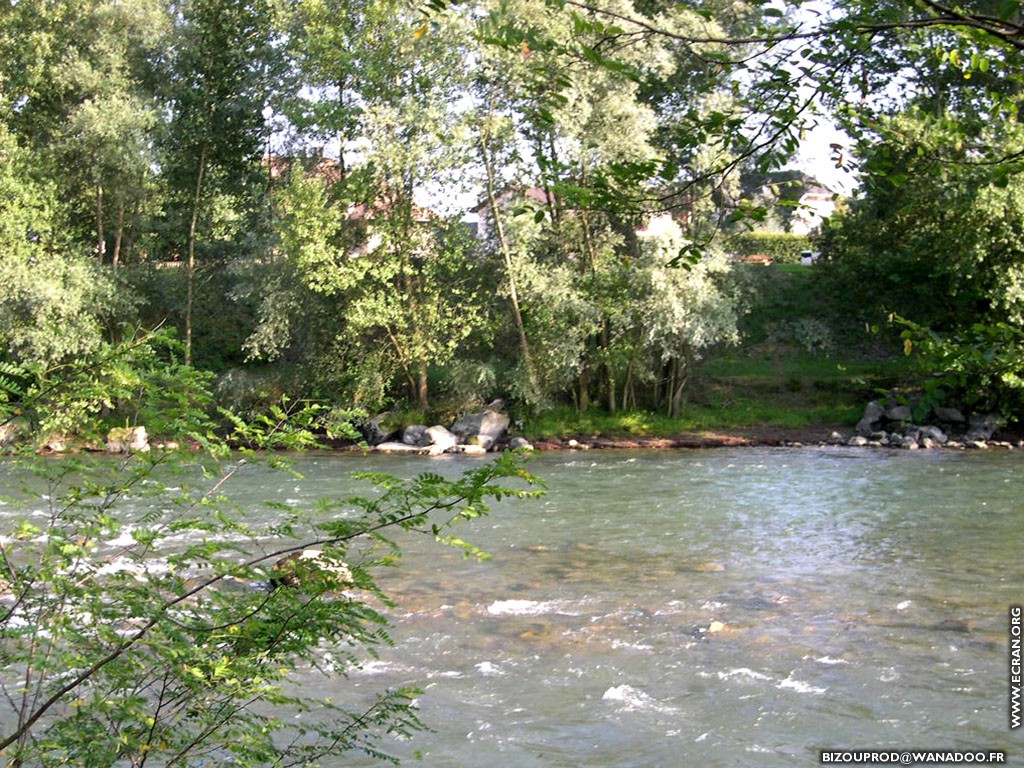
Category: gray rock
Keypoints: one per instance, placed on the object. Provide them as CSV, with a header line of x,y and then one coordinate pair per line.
x,y
416,434
982,426
377,430
949,415
898,413
927,442
520,443
908,443
489,423
978,445
857,441
441,438
871,420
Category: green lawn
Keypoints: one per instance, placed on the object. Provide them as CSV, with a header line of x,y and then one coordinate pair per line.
x,y
739,390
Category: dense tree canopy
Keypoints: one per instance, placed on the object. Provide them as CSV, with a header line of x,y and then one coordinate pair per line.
x,y
285,183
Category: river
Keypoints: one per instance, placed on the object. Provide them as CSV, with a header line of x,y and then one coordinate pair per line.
x,y
718,608
722,607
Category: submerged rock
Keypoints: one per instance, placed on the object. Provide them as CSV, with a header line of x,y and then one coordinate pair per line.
x,y
290,570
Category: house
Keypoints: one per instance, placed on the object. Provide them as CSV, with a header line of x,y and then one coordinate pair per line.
x,y
814,206
481,220
359,216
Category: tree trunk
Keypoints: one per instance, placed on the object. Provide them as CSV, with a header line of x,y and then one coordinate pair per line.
x,y
101,237
421,387
119,235
584,384
679,380
190,266
506,253
609,374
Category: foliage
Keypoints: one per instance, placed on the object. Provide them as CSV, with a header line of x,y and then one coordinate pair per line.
x,y
980,368
53,299
144,619
138,381
783,248
936,241
168,135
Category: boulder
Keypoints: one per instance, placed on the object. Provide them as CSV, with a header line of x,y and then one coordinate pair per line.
x,y
127,440
55,443
871,420
949,415
377,429
982,426
898,413
520,443
291,570
416,434
857,441
486,423
907,442
441,439
10,431
484,441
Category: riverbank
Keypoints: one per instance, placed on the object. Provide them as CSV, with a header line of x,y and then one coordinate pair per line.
x,y
725,438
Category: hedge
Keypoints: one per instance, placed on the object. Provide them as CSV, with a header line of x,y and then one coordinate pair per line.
x,y
782,247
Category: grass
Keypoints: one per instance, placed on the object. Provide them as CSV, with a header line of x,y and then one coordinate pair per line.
x,y
765,389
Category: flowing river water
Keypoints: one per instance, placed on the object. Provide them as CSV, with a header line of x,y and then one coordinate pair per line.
x,y
714,608
722,607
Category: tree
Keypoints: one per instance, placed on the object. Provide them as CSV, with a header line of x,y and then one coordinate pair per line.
x,y
79,91
683,314
934,239
218,84
54,300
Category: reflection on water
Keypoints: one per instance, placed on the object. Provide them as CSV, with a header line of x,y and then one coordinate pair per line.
x,y
722,608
